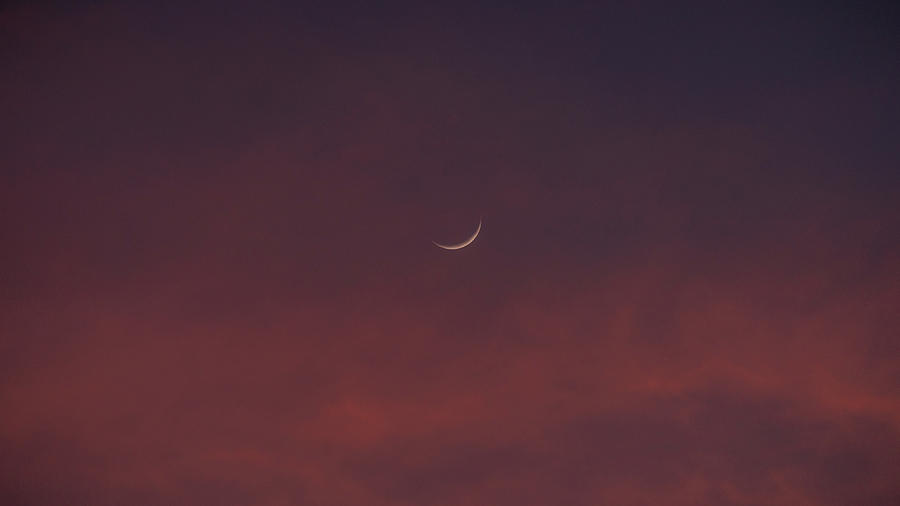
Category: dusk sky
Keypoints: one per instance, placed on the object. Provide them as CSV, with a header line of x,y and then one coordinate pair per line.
x,y
218,284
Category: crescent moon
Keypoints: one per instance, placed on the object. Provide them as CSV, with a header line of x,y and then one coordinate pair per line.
x,y
463,244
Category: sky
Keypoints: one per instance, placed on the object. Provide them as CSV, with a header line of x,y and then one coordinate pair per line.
x,y
218,284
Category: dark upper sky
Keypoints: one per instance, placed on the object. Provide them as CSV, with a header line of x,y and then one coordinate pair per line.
x,y
219,287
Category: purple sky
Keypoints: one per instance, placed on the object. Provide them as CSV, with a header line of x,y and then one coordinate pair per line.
x,y
218,283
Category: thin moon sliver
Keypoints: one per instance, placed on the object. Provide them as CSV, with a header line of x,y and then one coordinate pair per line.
x,y
463,244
